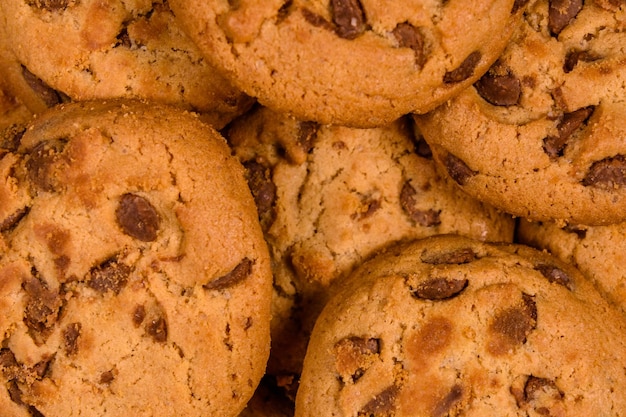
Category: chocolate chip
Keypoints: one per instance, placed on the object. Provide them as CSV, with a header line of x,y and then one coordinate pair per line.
x,y
423,149
538,394
511,326
237,275
439,288
123,38
8,363
348,17
107,377
465,70
383,404
561,13
367,208
408,202
42,309
42,164
537,386
354,355
408,36
70,338
518,5
157,328
139,314
307,133
47,94
110,275
51,5
580,231
445,405
554,145
499,89
575,56
137,217
11,137
455,257
316,20
458,169
555,275
607,173
263,190
10,222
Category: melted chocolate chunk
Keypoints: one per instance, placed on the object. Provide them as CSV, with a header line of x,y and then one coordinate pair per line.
x,y
455,257
316,20
555,275
554,145
263,190
111,275
11,221
458,169
348,17
575,56
70,338
383,404
368,207
446,404
561,13
157,328
465,70
511,326
518,5
139,314
439,288
307,133
499,89
354,355
423,149
137,217
42,309
234,277
47,94
51,5
408,201
609,173
107,377
11,137
408,36
42,164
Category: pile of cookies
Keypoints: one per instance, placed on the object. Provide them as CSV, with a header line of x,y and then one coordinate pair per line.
x,y
312,208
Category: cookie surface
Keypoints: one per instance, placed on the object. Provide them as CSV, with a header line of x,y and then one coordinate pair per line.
x,y
330,196
449,326
362,64
597,251
93,49
131,259
541,135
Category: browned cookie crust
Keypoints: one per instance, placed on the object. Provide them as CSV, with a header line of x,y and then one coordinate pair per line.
x,y
448,326
89,49
331,196
358,63
541,135
134,278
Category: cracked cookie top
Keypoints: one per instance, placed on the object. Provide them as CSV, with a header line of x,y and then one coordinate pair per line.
x,y
330,196
134,278
92,49
357,63
449,326
541,134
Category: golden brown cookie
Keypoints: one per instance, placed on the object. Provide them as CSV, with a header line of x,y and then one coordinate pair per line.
x,y
134,277
541,135
357,63
90,49
448,326
331,196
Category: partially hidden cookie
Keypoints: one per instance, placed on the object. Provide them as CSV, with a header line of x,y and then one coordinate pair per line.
x,y
447,326
134,278
597,251
356,63
55,51
541,135
331,196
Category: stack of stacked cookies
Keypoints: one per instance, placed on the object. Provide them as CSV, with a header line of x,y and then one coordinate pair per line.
x,y
312,208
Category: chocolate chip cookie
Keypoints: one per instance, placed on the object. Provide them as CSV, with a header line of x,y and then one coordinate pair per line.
x,y
134,278
448,326
90,49
356,63
598,251
541,134
331,196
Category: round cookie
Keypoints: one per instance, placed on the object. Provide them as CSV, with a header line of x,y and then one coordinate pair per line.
x,y
134,277
331,196
597,251
355,63
90,49
448,326
541,135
